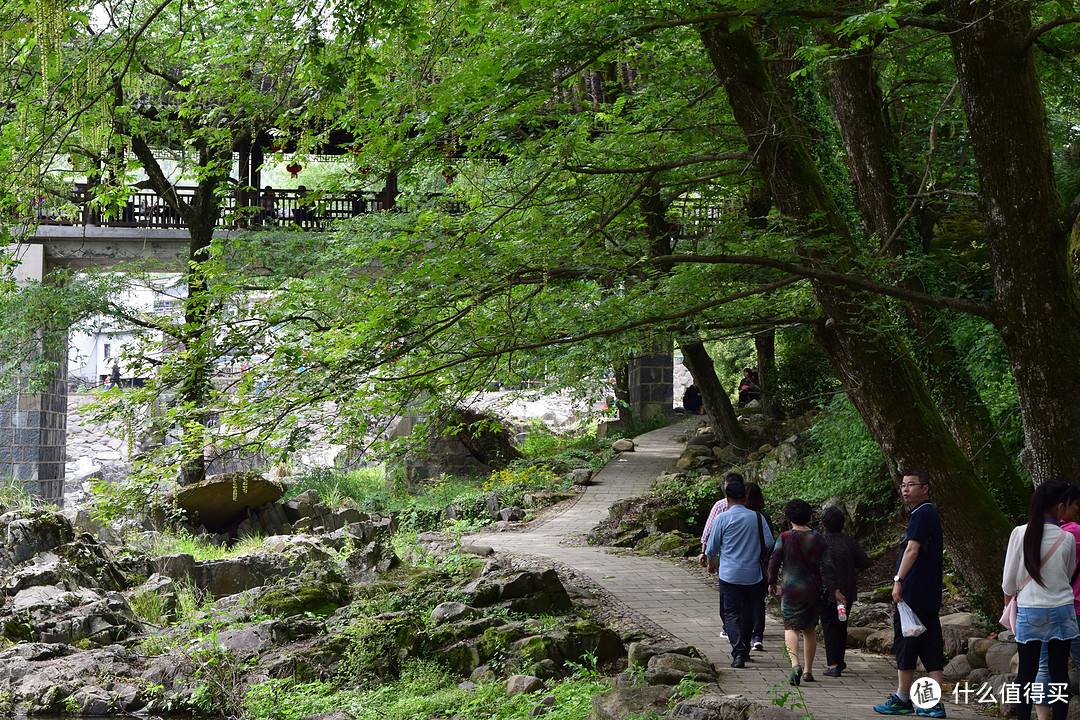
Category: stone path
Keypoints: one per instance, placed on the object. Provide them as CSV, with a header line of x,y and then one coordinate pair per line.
x,y
683,603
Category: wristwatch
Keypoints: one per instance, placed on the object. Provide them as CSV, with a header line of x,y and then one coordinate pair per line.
x,y
897,578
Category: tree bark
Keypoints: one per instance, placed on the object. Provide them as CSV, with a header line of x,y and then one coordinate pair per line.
x,y
765,345
1034,286
875,366
872,149
717,402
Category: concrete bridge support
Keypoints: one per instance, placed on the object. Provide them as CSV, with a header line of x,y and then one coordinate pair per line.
x,y
652,379
33,425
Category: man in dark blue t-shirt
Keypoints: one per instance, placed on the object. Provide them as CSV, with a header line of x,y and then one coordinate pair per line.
x,y
918,583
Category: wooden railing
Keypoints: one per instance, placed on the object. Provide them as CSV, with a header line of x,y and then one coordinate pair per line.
x,y
306,210
252,209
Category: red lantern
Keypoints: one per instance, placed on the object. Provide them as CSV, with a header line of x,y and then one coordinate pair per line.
x,y
449,173
294,168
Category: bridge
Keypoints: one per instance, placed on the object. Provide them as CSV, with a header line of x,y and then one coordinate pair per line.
x,y
33,425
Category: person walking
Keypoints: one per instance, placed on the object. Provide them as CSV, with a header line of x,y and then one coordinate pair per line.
x,y
1042,679
718,507
735,550
801,552
845,556
755,500
1039,563
918,583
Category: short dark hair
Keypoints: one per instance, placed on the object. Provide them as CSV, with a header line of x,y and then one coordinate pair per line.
x,y
733,477
833,519
924,477
735,490
798,511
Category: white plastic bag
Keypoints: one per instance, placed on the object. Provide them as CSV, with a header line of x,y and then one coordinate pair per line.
x,y
910,625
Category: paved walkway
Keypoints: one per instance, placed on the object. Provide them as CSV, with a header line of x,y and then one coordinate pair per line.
x,y
683,603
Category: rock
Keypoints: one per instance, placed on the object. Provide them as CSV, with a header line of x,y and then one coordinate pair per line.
x,y
714,705
881,642
620,703
543,707
450,612
29,533
331,715
772,712
978,676
977,649
871,614
702,670
623,445
999,657
512,514
639,653
958,668
581,477
518,684
856,636
220,499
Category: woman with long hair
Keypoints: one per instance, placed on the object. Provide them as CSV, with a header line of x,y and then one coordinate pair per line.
x,y
1038,565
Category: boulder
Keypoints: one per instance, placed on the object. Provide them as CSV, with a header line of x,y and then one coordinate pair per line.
x,y
856,636
701,670
715,705
881,642
958,668
623,702
452,612
639,653
623,445
512,514
518,684
218,501
977,649
30,533
999,657
581,476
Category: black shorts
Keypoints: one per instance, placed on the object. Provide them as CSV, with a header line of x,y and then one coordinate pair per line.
x,y
928,647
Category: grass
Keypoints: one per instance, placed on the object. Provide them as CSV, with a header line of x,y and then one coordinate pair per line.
x,y
184,543
425,689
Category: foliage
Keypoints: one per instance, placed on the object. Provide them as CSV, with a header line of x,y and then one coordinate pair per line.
x,y
368,489
840,459
425,689
804,378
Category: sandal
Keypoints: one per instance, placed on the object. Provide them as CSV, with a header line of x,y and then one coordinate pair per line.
x,y
808,677
796,675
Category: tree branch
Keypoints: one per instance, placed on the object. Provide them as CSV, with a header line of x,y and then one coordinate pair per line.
x,y
972,307
671,165
1046,27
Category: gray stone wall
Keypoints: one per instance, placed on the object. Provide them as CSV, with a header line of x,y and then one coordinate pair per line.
x,y
651,382
33,439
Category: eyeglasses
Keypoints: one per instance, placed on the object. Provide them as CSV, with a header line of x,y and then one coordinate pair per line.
x,y
907,486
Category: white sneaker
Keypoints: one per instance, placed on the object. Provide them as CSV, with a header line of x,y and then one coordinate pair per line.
x,y
758,646
723,635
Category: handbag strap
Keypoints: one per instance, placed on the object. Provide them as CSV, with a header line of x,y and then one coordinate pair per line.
x,y
1044,559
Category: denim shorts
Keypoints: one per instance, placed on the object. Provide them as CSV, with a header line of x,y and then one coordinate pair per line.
x,y
1046,624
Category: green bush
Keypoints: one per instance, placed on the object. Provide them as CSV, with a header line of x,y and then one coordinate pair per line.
x,y
803,374
840,459
369,489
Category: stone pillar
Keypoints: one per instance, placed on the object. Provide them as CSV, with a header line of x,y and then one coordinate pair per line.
x,y
33,439
33,425
652,380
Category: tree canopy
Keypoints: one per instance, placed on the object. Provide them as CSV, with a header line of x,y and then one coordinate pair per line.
x,y
623,174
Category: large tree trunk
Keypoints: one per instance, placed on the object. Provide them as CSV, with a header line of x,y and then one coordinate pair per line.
x,y
875,366
1035,290
713,394
765,346
872,149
